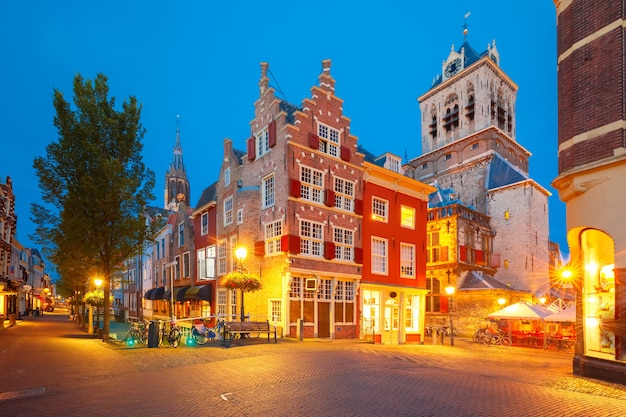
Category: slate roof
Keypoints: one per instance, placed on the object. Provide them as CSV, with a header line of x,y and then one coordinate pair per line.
x,y
445,197
471,56
501,173
290,109
208,194
477,280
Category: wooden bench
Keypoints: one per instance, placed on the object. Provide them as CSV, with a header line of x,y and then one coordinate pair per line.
x,y
245,328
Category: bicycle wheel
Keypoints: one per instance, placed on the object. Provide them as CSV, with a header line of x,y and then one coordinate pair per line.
x,y
144,336
506,341
200,338
174,337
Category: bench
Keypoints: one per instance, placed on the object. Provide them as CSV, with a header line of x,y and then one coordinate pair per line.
x,y
245,328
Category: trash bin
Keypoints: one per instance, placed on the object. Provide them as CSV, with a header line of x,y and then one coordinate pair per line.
x,y
153,334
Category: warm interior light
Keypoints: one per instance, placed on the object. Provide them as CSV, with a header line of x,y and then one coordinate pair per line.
x,y
501,301
542,300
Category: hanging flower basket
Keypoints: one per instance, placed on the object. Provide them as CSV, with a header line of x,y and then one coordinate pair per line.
x,y
241,281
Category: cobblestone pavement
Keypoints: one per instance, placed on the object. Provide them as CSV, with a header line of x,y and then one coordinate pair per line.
x,y
50,367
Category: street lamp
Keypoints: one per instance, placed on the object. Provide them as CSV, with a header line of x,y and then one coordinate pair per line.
x,y
240,254
170,265
98,283
450,292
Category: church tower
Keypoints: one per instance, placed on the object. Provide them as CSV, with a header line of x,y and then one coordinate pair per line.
x,y
469,149
176,182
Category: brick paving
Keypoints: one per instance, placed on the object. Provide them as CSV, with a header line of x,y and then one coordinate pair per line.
x,y
50,367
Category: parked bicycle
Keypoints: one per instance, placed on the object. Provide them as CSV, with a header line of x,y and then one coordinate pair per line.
x,y
137,333
203,333
171,334
479,335
496,339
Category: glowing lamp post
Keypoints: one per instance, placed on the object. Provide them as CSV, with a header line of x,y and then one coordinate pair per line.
x,y
240,254
450,293
98,283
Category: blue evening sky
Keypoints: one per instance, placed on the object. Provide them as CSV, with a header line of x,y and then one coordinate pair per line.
x,y
200,60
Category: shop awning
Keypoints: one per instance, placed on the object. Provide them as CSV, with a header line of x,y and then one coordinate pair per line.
x,y
566,315
521,311
155,293
179,293
202,292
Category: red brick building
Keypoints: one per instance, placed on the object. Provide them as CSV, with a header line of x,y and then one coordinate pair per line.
x,y
393,285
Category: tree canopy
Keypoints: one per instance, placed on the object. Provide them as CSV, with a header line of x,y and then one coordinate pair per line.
x,y
94,185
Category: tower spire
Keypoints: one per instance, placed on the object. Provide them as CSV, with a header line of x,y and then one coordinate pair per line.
x,y
176,182
465,25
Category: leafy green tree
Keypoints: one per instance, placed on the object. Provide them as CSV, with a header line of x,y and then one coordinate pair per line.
x,y
95,186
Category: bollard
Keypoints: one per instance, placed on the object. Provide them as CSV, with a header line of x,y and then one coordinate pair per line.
x,y
300,330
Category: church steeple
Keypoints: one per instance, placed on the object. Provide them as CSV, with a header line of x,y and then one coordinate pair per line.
x,y
176,182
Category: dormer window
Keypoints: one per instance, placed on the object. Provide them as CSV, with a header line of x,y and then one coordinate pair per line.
x,y
393,164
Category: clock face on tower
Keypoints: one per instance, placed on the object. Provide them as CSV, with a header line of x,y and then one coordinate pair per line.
x,y
452,68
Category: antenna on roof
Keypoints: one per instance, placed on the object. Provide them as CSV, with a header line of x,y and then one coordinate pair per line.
x,y
465,25
277,86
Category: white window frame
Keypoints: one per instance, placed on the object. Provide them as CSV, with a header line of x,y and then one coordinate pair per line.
x,y
262,142
344,194
330,140
380,255
311,184
407,260
222,254
380,209
276,310
177,267
344,243
273,234
394,164
228,211
407,217
227,177
240,216
181,234
268,191
204,224
222,297
311,238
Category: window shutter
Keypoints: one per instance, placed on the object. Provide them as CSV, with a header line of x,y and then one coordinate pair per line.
x,y
294,244
358,255
345,153
495,260
251,148
358,206
314,141
462,253
329,250
480,257
294,188
329,198
444,254
290,244
272,131
259,248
